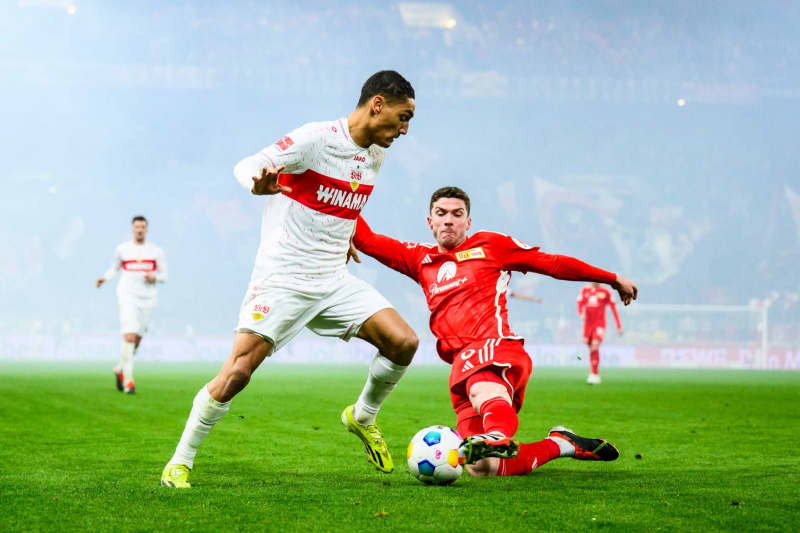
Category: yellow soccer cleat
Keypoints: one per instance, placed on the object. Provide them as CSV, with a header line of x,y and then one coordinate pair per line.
x,y
375,446
176,476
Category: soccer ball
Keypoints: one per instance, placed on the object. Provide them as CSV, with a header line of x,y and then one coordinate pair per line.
x,y
433,455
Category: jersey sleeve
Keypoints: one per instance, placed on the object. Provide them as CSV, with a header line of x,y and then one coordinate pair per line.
x,y
116,264
161,267
397,255
518,256
292,151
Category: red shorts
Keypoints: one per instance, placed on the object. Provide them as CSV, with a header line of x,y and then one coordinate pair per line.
x,y
593,332
506,359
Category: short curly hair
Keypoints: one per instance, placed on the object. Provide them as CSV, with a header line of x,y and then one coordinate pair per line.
x,y
388,83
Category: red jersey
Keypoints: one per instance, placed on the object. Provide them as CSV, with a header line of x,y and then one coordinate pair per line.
x,y
593,301
466,287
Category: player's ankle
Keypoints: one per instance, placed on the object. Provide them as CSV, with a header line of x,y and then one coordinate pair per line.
x,y
565,448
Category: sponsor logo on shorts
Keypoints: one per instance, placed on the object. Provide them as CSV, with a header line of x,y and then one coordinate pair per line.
x,y
472,253
259,312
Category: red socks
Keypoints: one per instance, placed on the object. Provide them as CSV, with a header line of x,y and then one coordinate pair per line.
x,y
594,360
498,415
530,457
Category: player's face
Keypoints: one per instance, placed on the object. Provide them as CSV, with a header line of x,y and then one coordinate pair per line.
x,y
139,230
449,221
390,119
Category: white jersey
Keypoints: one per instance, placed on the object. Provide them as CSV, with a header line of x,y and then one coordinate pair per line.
x,y
305,234
136,261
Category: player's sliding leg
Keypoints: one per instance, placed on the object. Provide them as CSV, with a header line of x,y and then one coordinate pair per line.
x,y
582,448
490,398
396,343
561,442
212,403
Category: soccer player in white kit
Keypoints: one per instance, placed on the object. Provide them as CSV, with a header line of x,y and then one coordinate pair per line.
x,y
143,264
321,175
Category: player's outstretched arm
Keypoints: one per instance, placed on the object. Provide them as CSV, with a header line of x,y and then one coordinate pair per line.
x,y
395,254
528,259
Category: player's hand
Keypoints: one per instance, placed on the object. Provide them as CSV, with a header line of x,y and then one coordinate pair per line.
x,y
626,288
99,282
352,253
150,278
268,182
619,331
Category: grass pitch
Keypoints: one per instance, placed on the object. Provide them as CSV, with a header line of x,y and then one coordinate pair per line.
x,y
701,450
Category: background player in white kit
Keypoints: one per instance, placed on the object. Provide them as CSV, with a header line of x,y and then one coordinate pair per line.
x,y
321,175
143,264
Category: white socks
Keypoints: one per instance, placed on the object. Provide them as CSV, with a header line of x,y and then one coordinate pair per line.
x,y
382,379
126,362
567,448
206,412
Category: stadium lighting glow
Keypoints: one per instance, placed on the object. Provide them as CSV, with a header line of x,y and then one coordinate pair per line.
x,y
428,15
681,102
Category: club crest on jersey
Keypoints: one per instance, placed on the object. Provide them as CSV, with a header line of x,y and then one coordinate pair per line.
x,y
284,143
355,177
446,272
472,253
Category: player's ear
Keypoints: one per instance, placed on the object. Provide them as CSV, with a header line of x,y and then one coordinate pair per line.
x,y
430,226
378,103
469,223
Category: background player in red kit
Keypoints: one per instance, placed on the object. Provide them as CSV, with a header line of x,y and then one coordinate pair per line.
x,y
465,280
592,302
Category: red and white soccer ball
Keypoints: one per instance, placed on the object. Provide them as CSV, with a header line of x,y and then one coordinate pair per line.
x,y
433,455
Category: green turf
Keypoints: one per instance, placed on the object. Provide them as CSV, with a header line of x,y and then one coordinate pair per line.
x,y
718,452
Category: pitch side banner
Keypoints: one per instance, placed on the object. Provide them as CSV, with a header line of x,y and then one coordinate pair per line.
x,y
317,350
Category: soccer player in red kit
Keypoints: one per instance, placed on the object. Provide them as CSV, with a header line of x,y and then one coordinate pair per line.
x,y
592,302
465,280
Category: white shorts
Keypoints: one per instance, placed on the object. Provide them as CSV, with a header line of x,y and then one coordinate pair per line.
x,y
133,316
279,313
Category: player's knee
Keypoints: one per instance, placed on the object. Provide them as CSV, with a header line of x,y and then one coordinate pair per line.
x,y
483,391
402,348
409,343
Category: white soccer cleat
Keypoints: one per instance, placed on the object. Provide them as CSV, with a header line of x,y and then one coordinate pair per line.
x,y
594,379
